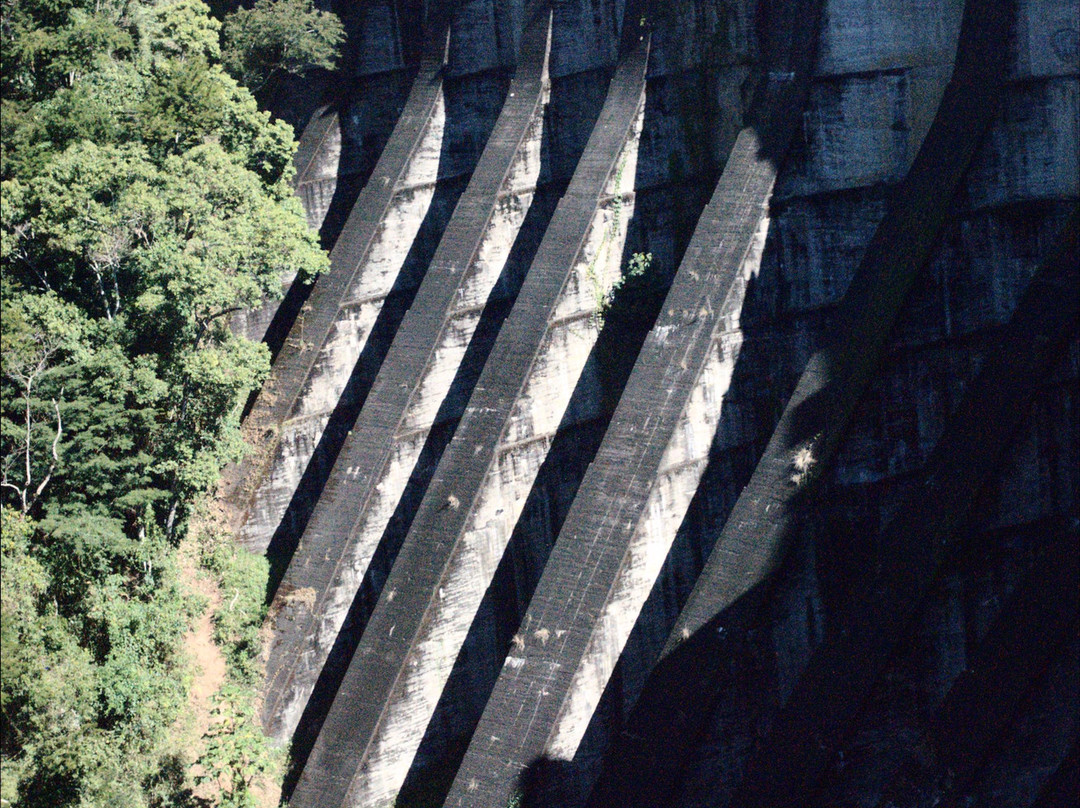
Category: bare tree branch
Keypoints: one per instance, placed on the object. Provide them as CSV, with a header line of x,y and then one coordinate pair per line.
x,y
55,452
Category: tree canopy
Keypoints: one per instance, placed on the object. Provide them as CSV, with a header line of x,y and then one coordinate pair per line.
x,y
145,199
276,37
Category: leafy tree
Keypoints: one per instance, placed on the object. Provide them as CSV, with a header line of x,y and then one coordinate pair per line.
x,y
237,751
275,37
145,199
38,334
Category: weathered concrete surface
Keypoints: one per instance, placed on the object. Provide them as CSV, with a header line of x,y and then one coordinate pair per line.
x,y
345,118
864,36
311,370
912,547
1035,154
389,693
871,103
641,482
318,158
917,215
752,542
380,454
896,426
972,285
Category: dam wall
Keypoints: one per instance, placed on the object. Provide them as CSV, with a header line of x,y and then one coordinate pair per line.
x,y
413,636
933,350
507,529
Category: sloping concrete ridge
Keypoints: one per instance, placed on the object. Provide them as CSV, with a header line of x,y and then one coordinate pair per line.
x,y
317,157
380,453
314,365
914,544
639,486
754,539
457,539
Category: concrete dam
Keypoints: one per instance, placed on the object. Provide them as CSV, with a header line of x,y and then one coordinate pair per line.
x,y
689,414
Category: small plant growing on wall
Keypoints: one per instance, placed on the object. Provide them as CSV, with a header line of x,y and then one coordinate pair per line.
x,y
638,266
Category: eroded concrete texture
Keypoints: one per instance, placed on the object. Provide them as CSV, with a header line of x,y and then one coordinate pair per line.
x,y
413,637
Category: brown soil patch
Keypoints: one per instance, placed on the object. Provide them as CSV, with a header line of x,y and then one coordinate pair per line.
x,y
210,667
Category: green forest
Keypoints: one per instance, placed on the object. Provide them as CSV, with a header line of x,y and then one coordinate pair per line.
x,y
146,199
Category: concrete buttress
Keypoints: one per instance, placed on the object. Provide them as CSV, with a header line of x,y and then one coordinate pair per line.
x,y
324,343
389,693
640,484
756,535
380,453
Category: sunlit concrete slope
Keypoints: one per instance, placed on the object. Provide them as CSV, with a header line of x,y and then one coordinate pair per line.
x,y
756,535
324,343
389,693
380,453
640,484
318,157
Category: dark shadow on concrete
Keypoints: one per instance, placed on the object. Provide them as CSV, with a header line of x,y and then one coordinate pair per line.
x,y
962,730
574,104
549,191
368,107
691,689
663,222
1064,784
466,129
693,698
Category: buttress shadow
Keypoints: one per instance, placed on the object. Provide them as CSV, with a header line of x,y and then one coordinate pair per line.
x,y
550,187
466,126
664,217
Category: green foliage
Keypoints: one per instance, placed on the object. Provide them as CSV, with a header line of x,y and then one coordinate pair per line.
x,y
279,36
179,218
639,264
145,199
92,673
241,578
237,751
